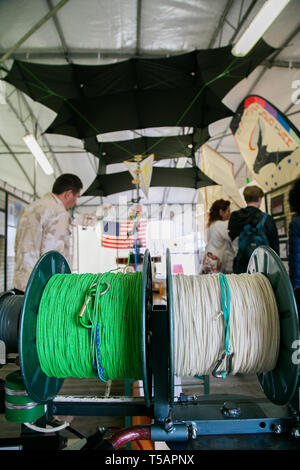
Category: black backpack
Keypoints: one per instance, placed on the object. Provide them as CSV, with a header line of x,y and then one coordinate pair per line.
x,y
250,238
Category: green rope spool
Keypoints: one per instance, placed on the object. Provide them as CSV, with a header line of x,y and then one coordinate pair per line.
x,y
19,407
89,325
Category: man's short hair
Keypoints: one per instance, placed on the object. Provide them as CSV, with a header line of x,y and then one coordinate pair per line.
x,y
66,182
252,194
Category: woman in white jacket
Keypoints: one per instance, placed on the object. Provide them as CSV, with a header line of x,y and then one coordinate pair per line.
x,y
219,253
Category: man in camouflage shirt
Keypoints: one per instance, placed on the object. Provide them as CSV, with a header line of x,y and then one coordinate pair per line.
x,y
43,226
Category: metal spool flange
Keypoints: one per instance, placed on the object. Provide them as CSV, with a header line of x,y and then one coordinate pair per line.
x,y
146,338
162,354
279,385
39,386
171,326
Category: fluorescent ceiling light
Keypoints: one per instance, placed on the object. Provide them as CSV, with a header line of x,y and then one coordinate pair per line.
x,y
38,153
259,25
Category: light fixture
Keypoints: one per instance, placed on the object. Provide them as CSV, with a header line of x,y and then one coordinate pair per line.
x,y
259,25
38,153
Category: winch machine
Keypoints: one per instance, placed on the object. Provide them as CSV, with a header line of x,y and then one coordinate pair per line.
x,y
206,421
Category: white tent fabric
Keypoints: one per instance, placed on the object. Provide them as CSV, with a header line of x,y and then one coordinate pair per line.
x,y
216,166
106,31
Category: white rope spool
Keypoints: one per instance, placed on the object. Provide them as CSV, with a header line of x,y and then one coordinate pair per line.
x,y
199,324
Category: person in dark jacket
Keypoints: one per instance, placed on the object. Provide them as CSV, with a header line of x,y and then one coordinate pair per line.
x,y
251,215
294,235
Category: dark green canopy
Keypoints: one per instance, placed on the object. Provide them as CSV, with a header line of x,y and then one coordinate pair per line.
x,y
113,183
162,147
182,90
138,110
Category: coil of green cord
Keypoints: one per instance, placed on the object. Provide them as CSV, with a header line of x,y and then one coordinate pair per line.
x,y
105,341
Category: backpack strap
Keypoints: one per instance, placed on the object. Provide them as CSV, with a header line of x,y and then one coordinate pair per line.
x,y
262,220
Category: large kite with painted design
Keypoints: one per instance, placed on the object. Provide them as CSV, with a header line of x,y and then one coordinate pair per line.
x,y
268,142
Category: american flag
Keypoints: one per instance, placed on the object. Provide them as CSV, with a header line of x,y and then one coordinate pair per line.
x,y
121,234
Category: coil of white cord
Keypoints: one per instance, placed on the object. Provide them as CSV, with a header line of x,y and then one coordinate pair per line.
x,y
199,323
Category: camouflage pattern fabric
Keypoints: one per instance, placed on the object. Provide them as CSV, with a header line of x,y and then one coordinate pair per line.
x,y
43,226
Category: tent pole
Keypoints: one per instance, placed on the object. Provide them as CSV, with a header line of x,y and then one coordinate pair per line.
x,y
33,30
17,161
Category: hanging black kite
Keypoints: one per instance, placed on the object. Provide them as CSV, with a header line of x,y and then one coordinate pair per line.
x,y
163,147
137,109
113,183
184,90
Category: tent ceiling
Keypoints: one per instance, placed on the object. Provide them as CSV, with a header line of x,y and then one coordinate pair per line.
x,y
105,31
